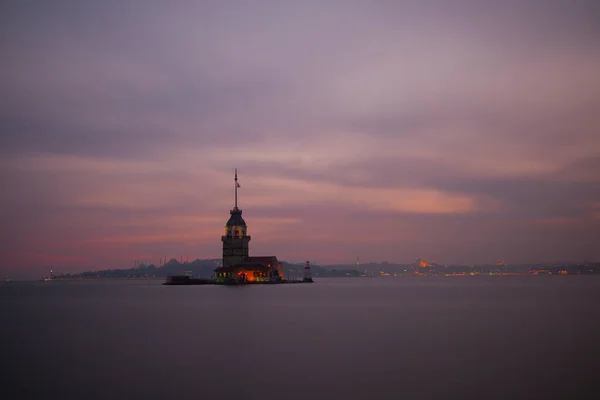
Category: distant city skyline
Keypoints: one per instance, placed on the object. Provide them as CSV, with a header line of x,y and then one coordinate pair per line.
x,y
460,132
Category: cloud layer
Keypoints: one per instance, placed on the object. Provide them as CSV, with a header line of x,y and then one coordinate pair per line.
x,y
458,131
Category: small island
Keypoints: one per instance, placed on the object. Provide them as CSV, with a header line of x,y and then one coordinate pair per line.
x,y
238,267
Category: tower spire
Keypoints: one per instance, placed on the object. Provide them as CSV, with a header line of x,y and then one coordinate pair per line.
x,y
236,187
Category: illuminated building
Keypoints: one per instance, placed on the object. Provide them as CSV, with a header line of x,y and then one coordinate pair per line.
x,y
237,265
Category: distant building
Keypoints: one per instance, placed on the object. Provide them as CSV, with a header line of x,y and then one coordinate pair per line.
x,y
237,265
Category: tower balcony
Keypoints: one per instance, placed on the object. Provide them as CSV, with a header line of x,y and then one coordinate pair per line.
x,y
234,238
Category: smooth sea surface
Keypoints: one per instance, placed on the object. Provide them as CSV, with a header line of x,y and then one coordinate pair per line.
x,y
483,337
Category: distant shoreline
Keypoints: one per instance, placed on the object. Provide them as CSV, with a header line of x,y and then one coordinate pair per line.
x,y
205,269
162,278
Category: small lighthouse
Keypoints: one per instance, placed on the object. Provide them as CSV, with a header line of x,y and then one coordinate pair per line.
x,y
307,276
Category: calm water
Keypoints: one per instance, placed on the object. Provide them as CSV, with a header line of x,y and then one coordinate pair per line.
x,y
365,338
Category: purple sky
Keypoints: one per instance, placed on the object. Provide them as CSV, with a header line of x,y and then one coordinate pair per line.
x,y
457,131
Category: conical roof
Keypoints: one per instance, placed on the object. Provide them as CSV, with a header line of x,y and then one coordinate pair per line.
x,y
236,218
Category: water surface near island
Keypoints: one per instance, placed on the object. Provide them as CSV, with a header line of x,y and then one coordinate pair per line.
x,y
348,338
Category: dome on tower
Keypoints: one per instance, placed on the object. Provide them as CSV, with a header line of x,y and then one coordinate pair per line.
x,y
236,218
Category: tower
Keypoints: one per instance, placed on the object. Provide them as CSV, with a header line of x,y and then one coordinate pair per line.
x,y
235,241
307,275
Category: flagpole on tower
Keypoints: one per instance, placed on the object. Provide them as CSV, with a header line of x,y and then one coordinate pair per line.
x,y
236,188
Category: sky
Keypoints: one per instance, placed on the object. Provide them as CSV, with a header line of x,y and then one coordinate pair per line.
x,y
455,131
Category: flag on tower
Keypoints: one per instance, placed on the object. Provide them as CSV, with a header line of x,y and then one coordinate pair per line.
x,y
238,185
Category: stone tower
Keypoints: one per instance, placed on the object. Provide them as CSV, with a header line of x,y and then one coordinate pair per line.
x,y
235,241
